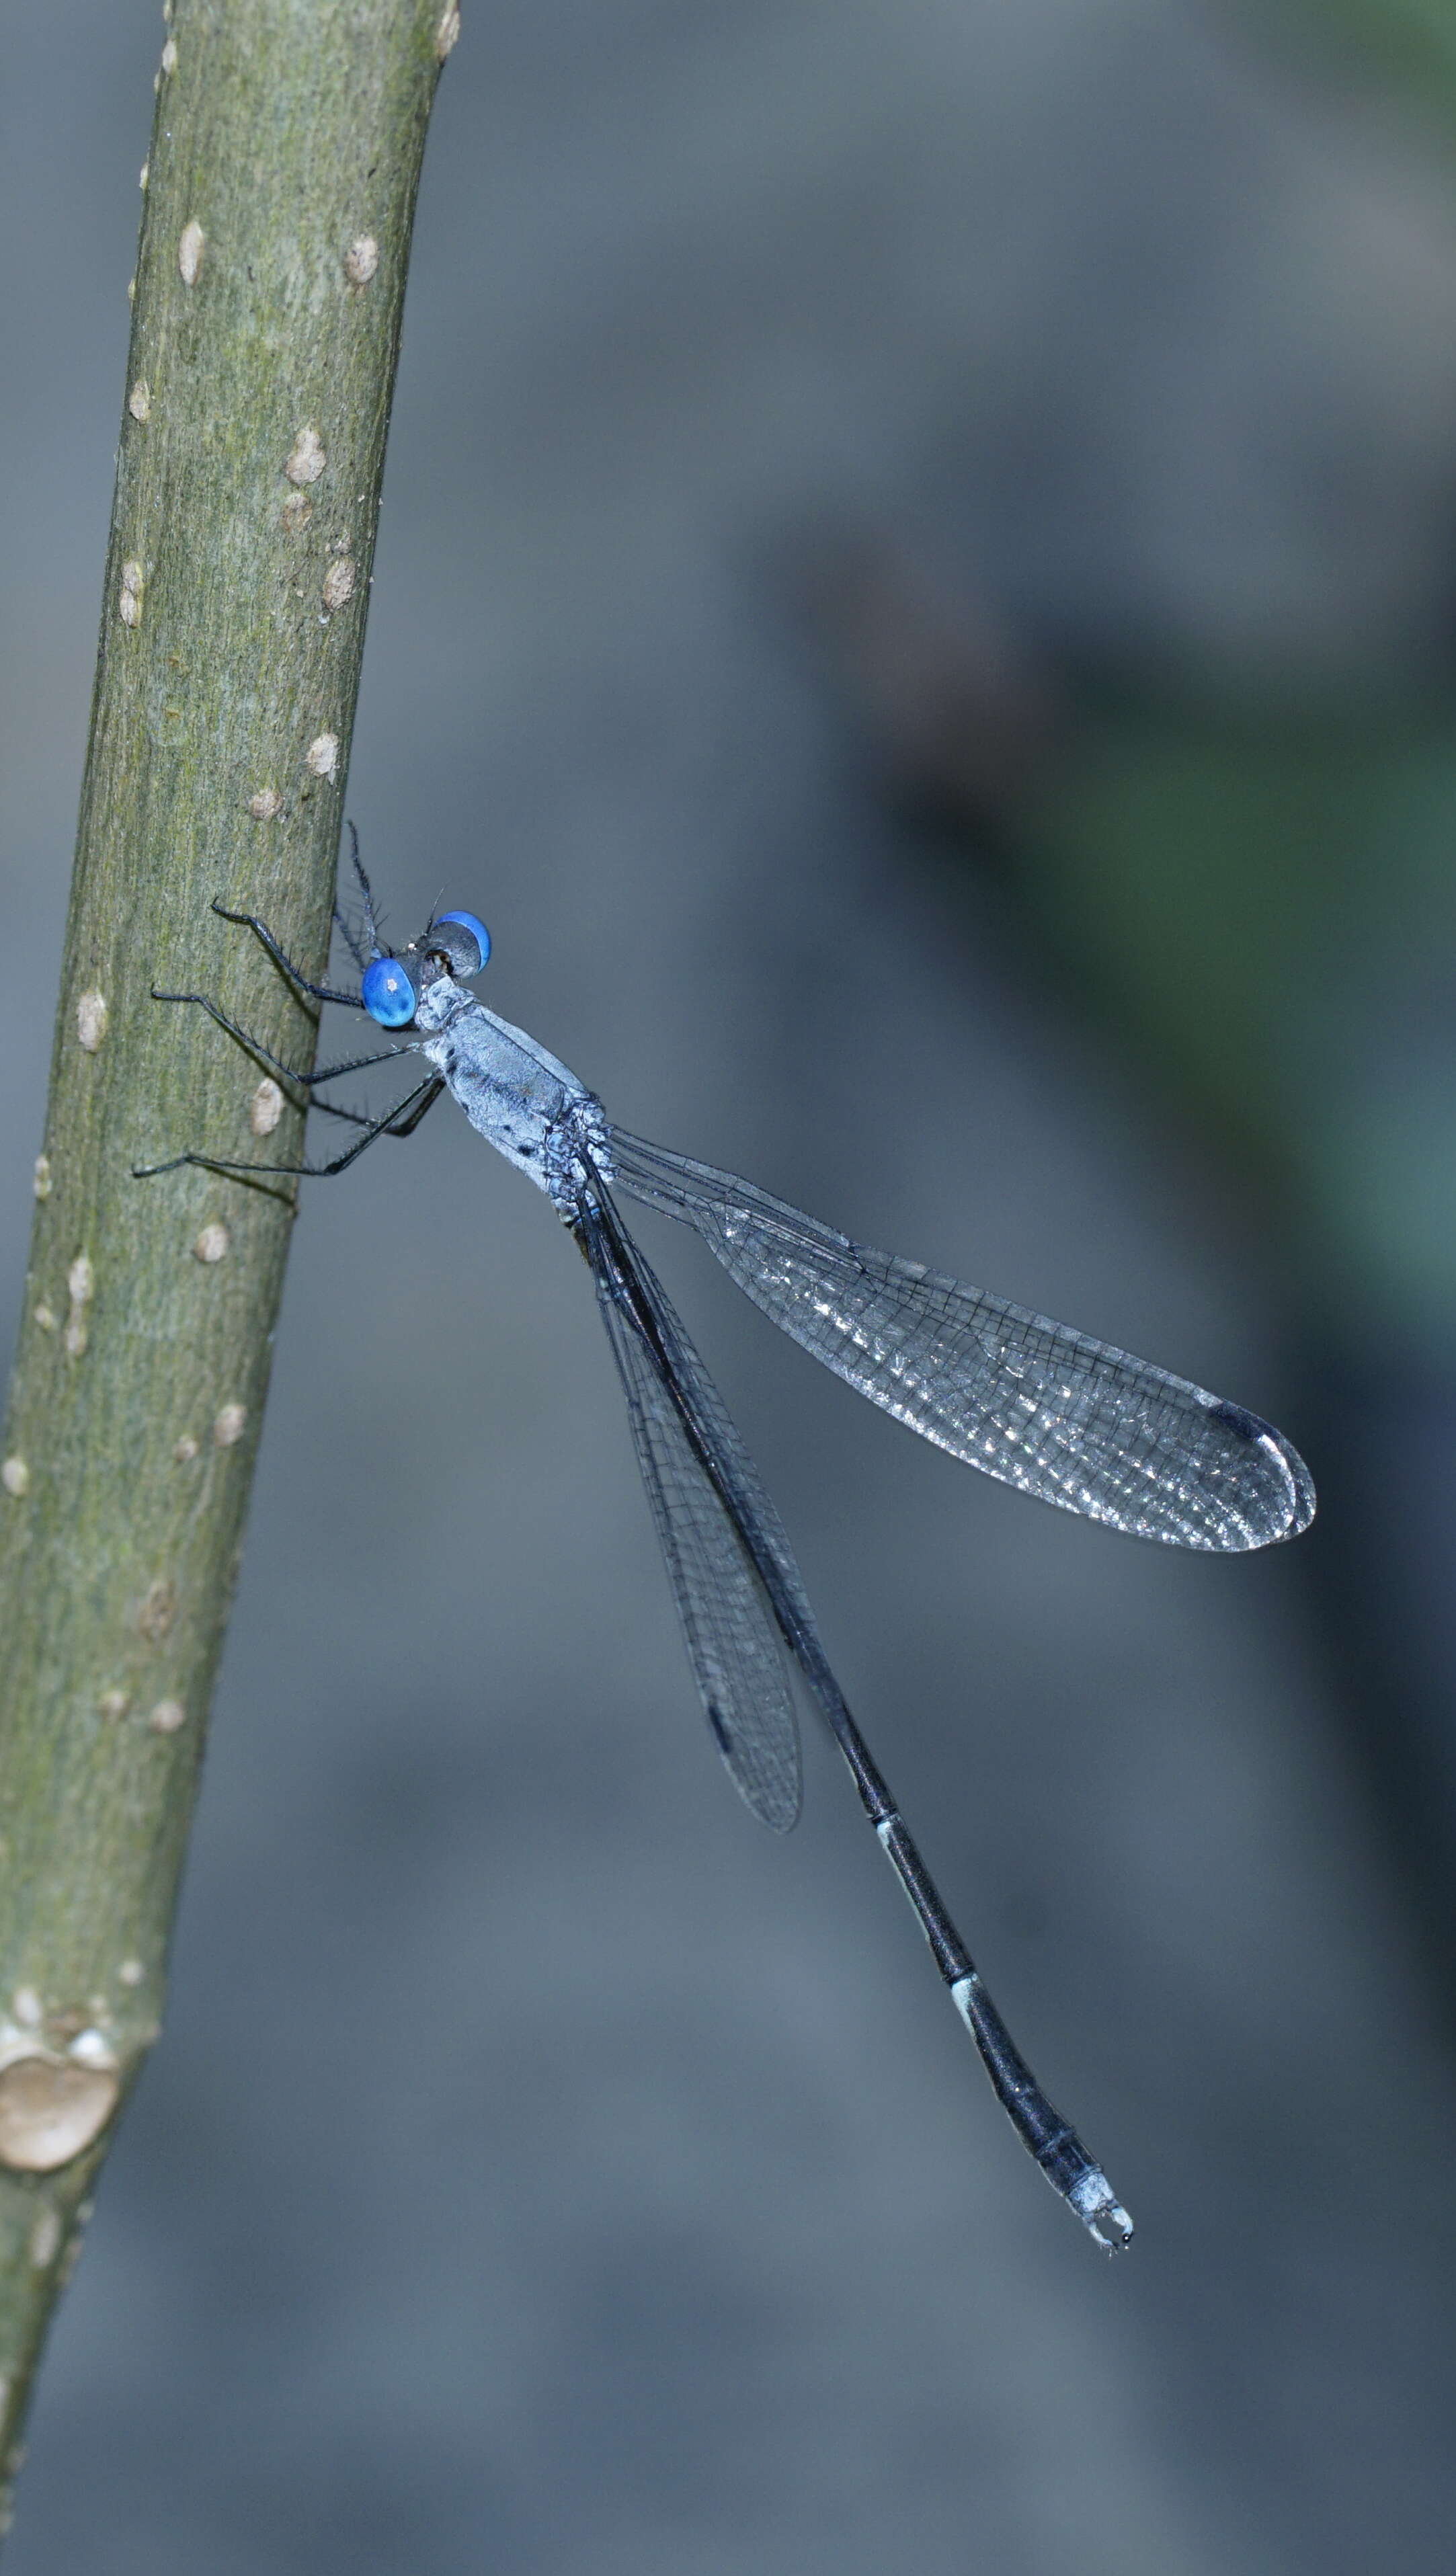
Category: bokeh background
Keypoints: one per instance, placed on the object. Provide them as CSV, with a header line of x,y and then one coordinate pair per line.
x,y
916,595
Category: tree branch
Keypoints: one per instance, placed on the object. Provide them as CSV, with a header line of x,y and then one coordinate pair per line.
x,y
279,198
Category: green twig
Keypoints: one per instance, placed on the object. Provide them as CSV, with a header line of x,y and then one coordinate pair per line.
x,y
279,197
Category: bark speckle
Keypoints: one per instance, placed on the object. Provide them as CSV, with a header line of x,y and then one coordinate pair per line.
x,y
306,460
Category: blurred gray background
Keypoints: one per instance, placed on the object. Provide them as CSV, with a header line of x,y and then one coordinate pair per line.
x,y
543,2168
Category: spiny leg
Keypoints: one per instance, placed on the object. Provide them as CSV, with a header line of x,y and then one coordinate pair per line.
x,y
280,957
356,948
402,1124
367,891
360,954
332,1109
265,1055
402,1120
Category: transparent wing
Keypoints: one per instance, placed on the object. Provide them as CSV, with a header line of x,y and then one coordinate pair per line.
x,y
710,1512
1027,1400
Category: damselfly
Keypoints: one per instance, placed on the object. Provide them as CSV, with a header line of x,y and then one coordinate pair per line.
x,y
1032,1402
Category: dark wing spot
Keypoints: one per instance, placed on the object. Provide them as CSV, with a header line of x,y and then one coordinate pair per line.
x,y
1234,1418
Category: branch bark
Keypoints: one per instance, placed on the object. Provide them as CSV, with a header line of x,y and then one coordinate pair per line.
x,y
279,199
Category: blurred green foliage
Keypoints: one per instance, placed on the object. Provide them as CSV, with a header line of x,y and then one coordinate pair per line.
x,y
1269,908
1410,44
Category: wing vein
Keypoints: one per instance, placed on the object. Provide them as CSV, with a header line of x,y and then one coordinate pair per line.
x,y
1052,1411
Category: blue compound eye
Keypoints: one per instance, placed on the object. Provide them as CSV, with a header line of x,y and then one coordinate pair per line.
x,y
475,929
387,993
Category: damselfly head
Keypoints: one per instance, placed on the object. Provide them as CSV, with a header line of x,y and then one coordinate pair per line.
x,y
456,944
